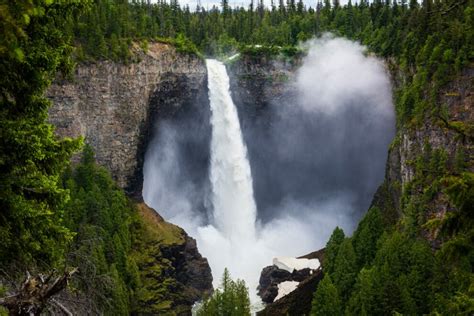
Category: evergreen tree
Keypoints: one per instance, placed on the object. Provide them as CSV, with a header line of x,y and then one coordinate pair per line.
x,y
366,236
332,249
365,298
345,269
230,299
101,216
326,300
33,48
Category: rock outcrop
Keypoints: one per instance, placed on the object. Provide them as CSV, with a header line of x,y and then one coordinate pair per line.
x,y
190,269
114,105
257,82
173,272
271,276
297,302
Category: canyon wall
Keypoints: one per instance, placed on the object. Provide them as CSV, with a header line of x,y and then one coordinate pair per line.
x,y
114,105
451,135
259,85
258,81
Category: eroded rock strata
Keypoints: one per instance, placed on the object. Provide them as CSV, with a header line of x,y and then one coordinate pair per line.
x,y
114,105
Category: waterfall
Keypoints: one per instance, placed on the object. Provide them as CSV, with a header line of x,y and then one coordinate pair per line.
x,y
234,210
308,149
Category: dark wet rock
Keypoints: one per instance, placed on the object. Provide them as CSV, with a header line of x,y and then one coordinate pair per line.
x,y
270,277
296,303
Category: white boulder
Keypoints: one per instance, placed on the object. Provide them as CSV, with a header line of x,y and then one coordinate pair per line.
x,y
289,263
285,288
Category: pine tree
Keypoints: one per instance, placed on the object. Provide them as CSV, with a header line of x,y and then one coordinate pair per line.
x,y
365,298
100,214
345,269
331,250
230,299
366,236
33,48
326,300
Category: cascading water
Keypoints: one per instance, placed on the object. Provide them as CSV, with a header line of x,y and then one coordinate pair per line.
x,y
234,239
234,210
230,241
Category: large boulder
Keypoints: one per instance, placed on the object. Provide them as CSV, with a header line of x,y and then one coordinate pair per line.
x,y
307,273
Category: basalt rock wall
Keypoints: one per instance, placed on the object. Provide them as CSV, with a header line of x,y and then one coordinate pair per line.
x,y
114,105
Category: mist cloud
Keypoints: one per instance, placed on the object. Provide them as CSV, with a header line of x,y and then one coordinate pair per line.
x,y
337,73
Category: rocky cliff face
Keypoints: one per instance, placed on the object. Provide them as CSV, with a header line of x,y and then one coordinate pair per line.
x,y
260,86
413,142
458,99
114,105
257,82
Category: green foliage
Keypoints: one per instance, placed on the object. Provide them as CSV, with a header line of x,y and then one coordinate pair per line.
x,y
184,45
224,46
345,269
461,192
419,194
3,311
365,298
398,281
366,236
33,48
397,270
433,38
159,292
326,301
332,249
275,52
230,299
102,216
459,224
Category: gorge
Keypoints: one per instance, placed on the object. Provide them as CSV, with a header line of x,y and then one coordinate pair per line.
x,y
310,132
326,167
173,184
163,101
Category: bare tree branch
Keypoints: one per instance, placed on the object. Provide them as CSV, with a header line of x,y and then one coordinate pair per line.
x,y
61,307
35,293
